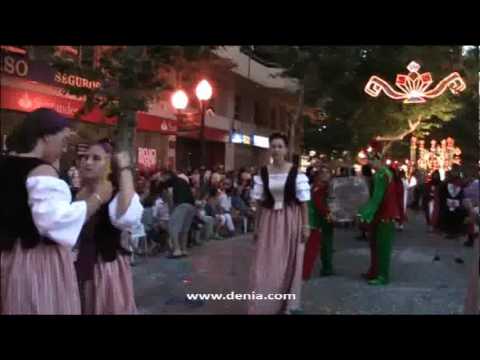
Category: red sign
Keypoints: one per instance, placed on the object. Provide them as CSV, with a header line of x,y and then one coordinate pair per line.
x,y
22,100
147,159
26,101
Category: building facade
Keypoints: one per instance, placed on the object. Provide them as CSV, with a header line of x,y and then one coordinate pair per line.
x,y
247,106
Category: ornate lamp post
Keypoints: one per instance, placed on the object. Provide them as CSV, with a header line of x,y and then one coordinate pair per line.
x,y
204,93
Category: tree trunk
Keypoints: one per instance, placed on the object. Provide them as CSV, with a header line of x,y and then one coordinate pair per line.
x,y
125,133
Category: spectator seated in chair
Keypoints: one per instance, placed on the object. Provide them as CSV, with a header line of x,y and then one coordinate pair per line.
x,y
223,220
207,231
225,203
244,212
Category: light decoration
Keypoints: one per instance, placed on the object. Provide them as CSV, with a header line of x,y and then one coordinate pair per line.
x,y
440,156
414,86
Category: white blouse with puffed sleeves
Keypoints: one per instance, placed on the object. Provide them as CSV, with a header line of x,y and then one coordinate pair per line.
x,y
54,214
276,184
131,219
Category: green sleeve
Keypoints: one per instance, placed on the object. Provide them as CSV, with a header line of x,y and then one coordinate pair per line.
x,y
313,215
380,183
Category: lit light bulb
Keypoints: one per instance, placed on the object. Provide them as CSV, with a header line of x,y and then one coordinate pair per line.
x,y
179,100
204,90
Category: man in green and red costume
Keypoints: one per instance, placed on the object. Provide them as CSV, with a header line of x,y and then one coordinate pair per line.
x,y
380,213
321,236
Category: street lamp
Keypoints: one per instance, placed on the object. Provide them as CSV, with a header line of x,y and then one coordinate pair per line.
x,y
204,93
179,100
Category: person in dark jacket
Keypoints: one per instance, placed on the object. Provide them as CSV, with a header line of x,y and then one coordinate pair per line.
x,y
182,215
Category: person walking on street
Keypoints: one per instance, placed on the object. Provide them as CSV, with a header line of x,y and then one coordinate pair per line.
x,y
321,237
182,215
381,212
281,232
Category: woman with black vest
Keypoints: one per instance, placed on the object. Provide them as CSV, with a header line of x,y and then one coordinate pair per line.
x,y
281,231
38,222
103,267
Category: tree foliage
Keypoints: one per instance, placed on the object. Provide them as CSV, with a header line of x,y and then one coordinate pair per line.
x,y
132,77
334,78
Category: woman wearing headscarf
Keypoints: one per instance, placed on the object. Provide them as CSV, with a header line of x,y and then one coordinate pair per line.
x,y
39,224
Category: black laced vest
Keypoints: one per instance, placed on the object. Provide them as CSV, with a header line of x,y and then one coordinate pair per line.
x,y
16,221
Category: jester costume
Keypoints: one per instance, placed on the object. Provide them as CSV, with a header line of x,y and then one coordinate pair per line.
x,y
381,212
321,236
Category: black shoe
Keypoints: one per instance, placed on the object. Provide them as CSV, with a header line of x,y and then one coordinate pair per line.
x,y
459,261
436,258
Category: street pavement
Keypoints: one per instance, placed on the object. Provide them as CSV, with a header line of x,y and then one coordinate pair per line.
x,y
419,285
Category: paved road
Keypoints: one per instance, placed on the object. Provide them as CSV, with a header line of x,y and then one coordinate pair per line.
x,y
419,284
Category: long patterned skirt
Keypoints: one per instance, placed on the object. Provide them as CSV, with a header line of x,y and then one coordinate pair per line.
x,y
38,281
278,261
111,290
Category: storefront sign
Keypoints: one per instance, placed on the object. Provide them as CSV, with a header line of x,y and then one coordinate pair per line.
x,y
147,159
239,138
261,141
27,101
14,65
21,66
188,121
77,81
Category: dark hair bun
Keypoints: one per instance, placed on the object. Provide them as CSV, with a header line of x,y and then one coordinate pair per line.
x,y
280,136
